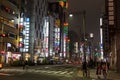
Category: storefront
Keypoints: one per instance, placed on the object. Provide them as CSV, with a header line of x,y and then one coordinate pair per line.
x,y
12,56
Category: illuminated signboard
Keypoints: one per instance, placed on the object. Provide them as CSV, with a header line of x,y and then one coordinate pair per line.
x,y
63,3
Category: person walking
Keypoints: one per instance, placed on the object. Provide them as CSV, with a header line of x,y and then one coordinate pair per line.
x,y
98,70
104,70
84,68
26,64
23,64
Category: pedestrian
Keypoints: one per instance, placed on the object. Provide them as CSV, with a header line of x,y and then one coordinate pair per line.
x,y
98,70
104,70
84,68
23,64
26,64
108,65
91,63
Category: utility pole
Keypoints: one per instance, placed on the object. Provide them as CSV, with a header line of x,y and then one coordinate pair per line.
x,y
84,23
85,43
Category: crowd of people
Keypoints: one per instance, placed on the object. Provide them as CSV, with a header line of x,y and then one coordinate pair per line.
x,y
102,69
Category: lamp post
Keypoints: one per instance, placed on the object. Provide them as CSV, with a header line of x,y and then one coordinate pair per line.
x,y
91,38
84,24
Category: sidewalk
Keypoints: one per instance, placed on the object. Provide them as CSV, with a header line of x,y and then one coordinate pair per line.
x,y
112,75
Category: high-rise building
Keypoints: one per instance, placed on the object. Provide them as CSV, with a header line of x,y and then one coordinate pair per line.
x,y
56,12
111,46
34,13
42,29
117,34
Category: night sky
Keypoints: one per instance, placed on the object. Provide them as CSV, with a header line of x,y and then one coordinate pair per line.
x,y
93,9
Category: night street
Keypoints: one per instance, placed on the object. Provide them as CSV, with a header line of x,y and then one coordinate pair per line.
x,y
38,73
54,72
59,39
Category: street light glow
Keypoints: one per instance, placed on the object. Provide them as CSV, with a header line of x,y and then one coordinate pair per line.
x,y
91,35
70,15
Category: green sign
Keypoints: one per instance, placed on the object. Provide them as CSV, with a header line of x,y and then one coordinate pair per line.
x,y
66,29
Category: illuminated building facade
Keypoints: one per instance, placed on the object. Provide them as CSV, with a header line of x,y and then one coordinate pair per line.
x,y
65,39
39,32
24,33
41,29
34,14
56,16
9,31
54,42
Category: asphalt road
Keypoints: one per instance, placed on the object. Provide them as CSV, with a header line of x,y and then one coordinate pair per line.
x,y
59,72
30,76
50,72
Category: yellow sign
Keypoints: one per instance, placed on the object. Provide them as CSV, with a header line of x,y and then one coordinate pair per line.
x,y
63,4
57,22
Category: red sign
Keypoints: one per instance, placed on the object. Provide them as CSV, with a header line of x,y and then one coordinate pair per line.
x,y
3,52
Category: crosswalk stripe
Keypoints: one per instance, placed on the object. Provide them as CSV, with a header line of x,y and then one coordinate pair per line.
x,y
63,72
56,72
71,72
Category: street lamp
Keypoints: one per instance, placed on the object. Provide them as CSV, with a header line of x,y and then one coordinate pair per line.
x,y
70,15
91,35
91,51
